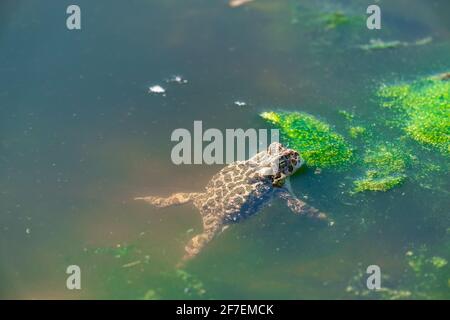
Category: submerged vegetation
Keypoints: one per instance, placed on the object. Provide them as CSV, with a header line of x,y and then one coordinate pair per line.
x,y
426,276
318,143
329,19
121,264
184,286
333,20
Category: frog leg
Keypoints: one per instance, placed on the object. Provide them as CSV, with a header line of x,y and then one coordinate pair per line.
x,y
212,226
174,199
298,206
198,242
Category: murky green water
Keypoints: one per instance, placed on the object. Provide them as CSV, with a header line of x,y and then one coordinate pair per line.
x,y
80,137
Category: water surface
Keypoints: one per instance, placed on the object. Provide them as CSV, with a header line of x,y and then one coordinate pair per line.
x,y
80,137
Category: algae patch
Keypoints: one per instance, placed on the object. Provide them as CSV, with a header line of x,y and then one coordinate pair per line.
x,y
386,167
326,19
193,286
184,284
318,143
422,110
356,131
151,295
335,19
384,150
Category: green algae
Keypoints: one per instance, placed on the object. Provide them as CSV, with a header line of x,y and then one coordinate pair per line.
x,y
425,173
331,25
193,286
383,163
116,275
430,273
418,261
326,19
426,276
354,125
373,181
422,110
318,143
438,262
335,19
355,288
151,295
386,162
349,116
386,169
185,285
356,131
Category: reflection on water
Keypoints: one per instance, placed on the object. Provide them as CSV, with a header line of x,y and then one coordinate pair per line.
x,y
80,137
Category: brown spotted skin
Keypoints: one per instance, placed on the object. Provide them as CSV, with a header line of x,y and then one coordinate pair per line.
x,y
240,190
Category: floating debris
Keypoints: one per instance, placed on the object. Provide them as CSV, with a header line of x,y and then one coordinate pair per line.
x,y
238,3
117,252
156,89
132,264
422,42
177,79
240,103
378,44
319,145
27,230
